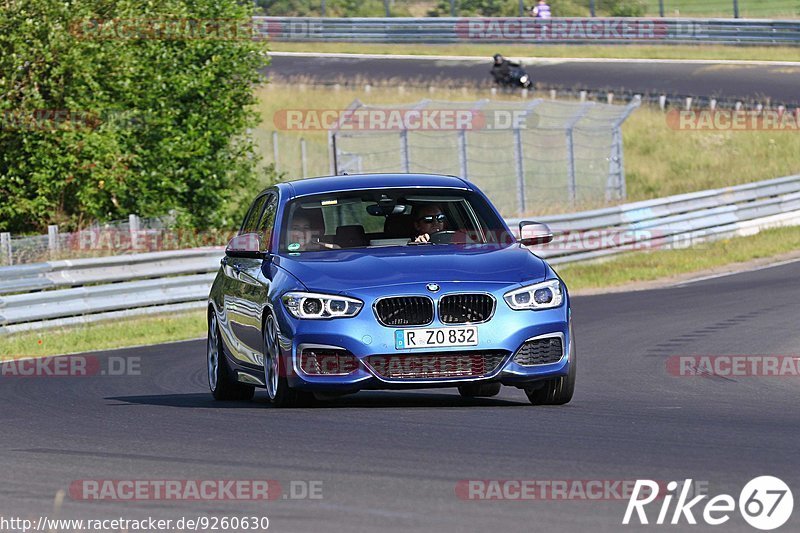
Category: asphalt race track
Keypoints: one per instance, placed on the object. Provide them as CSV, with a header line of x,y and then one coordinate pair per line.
x,y
392,461
730,82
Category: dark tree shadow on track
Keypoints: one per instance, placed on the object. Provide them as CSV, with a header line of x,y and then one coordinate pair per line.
x,y
366,399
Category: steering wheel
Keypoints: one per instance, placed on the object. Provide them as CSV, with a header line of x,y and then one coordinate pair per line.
x,y
442,237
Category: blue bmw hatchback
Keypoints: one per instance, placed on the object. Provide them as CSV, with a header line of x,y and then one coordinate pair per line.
x,y
386,281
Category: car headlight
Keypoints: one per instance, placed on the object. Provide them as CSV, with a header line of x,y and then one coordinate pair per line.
x,y
544,295
524,79
313,305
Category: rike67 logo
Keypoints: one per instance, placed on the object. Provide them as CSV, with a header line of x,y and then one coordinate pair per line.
x,y
765,502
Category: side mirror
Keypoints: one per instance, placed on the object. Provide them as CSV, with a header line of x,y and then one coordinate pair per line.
x,y
537,234
246,245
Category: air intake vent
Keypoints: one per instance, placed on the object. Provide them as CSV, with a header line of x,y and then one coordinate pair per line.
x,y
405,311
540,352
465,308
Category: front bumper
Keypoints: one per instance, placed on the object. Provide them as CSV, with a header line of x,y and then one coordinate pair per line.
x,y
363,336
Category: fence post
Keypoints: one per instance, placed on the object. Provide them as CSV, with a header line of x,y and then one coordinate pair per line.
x,y
591,8
520,167
386,7
404,151
5,247
303,162
52,239
661,8
452,8
572,184
616,165
736,9
616,181
521,8
322,7
332,163
462,153
133,228
275,149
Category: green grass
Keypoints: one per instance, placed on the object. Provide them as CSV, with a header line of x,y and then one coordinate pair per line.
x,y
658,264
659,161
724,8
104,335
717,52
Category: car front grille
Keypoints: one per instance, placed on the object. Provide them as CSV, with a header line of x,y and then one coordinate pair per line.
x,y
465,308
540,352
436,365
405,311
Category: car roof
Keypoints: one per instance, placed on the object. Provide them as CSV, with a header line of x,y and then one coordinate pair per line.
x,y
353,182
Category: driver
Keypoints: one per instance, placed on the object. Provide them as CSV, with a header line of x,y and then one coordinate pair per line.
x,y
428,219
501,70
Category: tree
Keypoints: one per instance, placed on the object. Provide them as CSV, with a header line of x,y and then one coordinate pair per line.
x,y
112,108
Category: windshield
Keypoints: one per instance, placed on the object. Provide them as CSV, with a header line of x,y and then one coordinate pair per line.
x,y
377,218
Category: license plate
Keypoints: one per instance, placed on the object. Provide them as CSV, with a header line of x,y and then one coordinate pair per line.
x,y
435,337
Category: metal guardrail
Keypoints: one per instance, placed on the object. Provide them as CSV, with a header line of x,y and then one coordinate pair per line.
x,y
156,282
72,272
530,30
673,222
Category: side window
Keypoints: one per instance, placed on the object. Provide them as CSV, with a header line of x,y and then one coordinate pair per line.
x,y
250,223
268,221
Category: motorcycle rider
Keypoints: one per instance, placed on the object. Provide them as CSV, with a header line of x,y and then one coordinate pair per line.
x,y
501,70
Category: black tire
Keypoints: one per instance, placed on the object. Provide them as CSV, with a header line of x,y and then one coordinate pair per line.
x,y
279,392
221,381
479,390
557,391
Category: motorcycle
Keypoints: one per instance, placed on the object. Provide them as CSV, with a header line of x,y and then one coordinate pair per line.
x,y
516,78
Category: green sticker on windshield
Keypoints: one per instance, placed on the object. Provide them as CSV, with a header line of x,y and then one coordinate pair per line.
x,y
294,246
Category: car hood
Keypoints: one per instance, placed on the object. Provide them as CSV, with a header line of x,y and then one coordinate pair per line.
x,y
347,270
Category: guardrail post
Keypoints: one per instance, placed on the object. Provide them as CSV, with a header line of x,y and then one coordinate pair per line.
x,y
736,9
462,153
275,149
661,8
521,8
322,8
5,248
386,7
452,8
404,161
591,8
303,162
520,167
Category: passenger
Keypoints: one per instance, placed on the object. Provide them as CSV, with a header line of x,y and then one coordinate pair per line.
x,y
303,234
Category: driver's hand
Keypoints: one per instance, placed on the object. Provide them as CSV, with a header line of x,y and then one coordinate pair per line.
x,y
423,238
